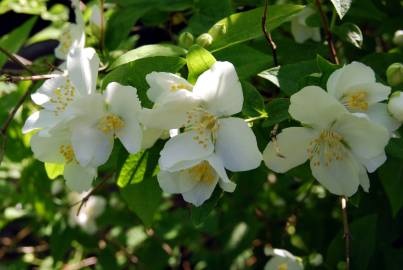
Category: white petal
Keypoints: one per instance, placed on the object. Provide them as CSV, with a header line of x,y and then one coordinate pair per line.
x,y
236,145
218,165
131,135
373,163
376,92
163,83
45,93
170,110
47,149
289,149
78,178
150,136
365,138
364,180
89,108
220,89
379,114
346,77
91,146
176,182
313,106
340,177
82,65
200,192
40,119
181,149
122,99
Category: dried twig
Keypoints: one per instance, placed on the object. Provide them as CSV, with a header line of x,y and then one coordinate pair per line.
x,y
14,79
346,229
329,36
16,60
267,34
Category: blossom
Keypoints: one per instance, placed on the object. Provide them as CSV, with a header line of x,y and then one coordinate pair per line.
x,y
73,36
340,146
395,105
283,260
355,86
90,210
211,131
300,30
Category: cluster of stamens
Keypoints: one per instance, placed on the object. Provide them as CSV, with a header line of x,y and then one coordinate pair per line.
x,y
110,123
178,86
66,40
203,172
328,146
357,101
67,152
204,124
282,266
63,95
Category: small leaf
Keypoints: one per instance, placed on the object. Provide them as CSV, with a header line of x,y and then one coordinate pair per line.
x,y
201,213
148,51
341,6
253,104
277,110
350,33
143,199
391,174
198,60
271,75
395,148
54,170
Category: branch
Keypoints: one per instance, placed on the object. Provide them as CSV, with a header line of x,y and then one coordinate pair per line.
x,y
329,36
267,34
16,60
346,229
14,79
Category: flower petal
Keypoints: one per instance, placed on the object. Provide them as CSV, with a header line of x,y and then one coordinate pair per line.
x,y
340,177
131,135
224,182
364,179
47,149
150,136
176,182
313,106
289,149
200,192
220,89
163,83
182,149
45,93
373,163
122,99
379,114
365,138
40,119
236,145
82,65
78,178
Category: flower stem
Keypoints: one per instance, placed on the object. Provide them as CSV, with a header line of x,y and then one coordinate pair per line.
x,y
267,34
252,119
346,229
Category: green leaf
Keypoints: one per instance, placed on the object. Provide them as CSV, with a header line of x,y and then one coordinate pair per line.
x,y
13,41
201,213
277,110
341,6
143,199
271,75
54,170
198,60
148,51
395,148
350,33
244,26
253,104
133,73
391,175
120,23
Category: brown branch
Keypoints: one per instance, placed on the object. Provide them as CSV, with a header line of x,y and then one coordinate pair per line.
x,y
267,34
82,264
346,229
329,36
14,79
15,59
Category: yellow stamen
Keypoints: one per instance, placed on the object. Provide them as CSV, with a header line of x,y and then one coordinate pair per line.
x,y
178,86
204,124
326,148
357,101
110,123
283,266
203,172
67,152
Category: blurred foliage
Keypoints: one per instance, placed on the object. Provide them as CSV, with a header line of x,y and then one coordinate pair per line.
x,y
142,228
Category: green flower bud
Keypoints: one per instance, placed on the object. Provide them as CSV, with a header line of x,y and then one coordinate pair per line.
x,y
204,40
394,74
398,38
186,40
395,105
217,30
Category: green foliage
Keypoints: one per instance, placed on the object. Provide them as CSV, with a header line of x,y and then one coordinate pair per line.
x,y
198,60
341,6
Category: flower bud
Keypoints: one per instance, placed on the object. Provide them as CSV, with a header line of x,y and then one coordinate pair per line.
x,y
217,30
204,40
186,40
398,38
394,74
395,105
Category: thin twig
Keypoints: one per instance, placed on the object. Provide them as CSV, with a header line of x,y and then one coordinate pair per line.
x,y
267,34
329,36
16,60
346,229
101,38
14,79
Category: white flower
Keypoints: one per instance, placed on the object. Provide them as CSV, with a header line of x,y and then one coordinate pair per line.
x,y
355,86
395,105
283,260
398,38
300,30
90,210
337,143
73,36
58,95
197,182
209,129
96,15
